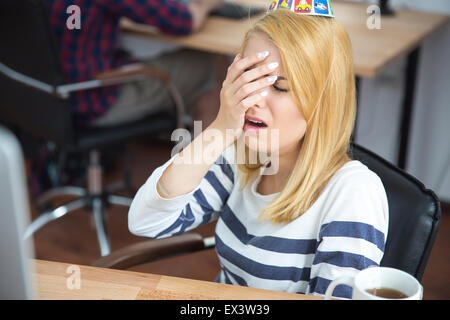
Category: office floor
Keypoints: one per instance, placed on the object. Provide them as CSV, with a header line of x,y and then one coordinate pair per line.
x,y
72,238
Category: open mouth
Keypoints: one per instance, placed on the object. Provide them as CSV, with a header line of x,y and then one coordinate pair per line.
x,y
255,124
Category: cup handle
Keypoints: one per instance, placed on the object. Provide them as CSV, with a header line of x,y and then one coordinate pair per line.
x,y
349,281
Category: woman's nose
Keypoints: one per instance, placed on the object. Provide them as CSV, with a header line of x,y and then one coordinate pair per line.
x,y
264,94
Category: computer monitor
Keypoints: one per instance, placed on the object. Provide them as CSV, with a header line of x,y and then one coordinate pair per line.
x,y
15,252
385,8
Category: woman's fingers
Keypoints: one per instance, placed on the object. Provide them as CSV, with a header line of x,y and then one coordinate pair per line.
x,y
239,98
245,83
249,88
239,65
255,73
239,89
250,101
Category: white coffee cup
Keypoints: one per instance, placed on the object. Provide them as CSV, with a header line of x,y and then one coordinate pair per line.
x,y
379,277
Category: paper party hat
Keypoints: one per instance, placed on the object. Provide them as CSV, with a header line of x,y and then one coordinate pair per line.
x,y
306,7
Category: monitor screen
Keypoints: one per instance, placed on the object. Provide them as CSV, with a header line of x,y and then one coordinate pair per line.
x,y
15,252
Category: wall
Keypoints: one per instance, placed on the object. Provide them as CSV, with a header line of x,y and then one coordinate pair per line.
x,y
381,100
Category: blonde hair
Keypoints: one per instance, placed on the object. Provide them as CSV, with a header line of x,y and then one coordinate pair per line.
x,y
317,58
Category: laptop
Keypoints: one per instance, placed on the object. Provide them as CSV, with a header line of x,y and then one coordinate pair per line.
x,y
15,252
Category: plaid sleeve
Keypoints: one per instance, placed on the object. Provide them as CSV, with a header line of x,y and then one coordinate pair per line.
x,y
169,16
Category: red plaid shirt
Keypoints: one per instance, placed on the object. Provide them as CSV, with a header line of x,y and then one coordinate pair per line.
x,y
95,48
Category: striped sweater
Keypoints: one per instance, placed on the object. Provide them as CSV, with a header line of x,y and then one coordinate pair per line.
x,y
344,230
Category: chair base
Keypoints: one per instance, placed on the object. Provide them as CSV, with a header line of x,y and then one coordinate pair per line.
x,y
94,197
96,203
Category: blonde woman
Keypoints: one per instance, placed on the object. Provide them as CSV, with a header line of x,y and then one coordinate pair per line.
x,y
318,216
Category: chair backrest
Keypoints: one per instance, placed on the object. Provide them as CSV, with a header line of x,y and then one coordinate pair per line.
x,y
414,215
28,47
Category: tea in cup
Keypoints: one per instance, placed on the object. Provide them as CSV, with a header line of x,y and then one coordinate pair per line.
x,y
380,283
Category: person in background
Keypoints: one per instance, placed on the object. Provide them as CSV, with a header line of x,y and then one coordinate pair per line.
x,y
94,48
300,214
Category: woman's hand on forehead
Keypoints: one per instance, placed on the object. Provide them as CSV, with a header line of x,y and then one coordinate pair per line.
x,y
252,68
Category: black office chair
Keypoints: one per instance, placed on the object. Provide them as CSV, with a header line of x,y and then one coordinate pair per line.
x,y
34,99
414,218
414,215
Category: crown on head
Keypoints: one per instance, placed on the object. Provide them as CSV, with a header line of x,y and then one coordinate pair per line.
x,y
306,7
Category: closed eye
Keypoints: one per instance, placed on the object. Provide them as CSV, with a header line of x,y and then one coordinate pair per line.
x,y
279,89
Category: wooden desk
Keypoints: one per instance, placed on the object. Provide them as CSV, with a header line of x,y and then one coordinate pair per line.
x,y
107,284
373,50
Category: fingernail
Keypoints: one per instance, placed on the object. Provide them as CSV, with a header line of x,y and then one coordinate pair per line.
x,y
272,65
263,54
272,79
264,93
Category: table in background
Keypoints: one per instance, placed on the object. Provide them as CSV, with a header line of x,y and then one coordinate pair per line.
x,y
107,284
373,50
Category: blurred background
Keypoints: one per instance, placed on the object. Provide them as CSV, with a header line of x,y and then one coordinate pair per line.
x,y
82,141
